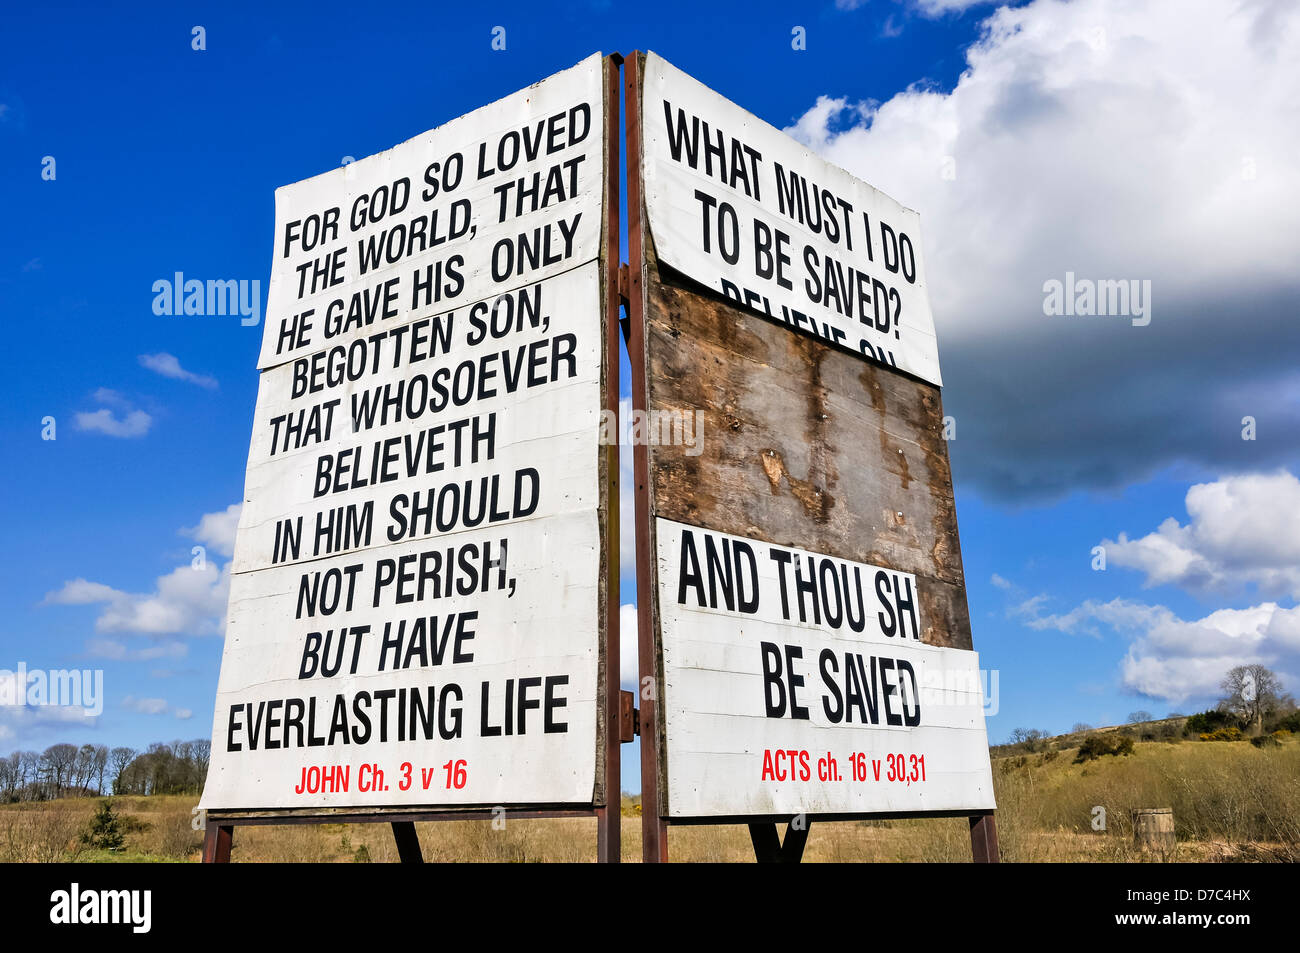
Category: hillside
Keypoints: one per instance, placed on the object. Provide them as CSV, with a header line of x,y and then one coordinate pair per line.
x,y
1231,801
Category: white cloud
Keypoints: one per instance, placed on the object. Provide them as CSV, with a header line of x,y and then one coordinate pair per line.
x,y
1001,583
935,8
146,706
629,670
106,395
217,530
23,724
1116,140
186,601
1177,659
626,500
156,706
169,366
118,651
1242,530
189,600
134,424
80,592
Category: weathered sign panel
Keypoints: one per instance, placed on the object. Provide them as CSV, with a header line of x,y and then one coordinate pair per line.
x,y
419,584
739,206
812,645
798,683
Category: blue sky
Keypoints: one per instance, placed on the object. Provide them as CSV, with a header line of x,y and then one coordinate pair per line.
x,y
1077,141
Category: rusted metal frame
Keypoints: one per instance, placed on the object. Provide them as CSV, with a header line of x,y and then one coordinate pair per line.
x,y
984,839
769,848
628,728
217,839
609,815
624,323
654,830
408,842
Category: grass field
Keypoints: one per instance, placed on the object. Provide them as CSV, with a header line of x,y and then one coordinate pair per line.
x,y
1231,802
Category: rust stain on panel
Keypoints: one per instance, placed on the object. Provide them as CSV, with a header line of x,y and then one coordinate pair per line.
x,y
816,501
803,445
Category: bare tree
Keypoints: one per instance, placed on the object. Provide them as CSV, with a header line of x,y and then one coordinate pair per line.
x,y
1250,692
57,764
120,758
83,769
64,770
1031,739
9,777
29,769
202,754
99,766
1141,715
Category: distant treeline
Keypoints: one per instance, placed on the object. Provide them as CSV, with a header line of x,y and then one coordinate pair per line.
x,y
65,770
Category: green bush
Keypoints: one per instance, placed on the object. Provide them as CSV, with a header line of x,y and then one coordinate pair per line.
x,y
1094,746
1290,724
1273,740
1208,722
105,829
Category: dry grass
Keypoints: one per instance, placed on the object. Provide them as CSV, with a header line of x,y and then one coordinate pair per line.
x,y
1231,801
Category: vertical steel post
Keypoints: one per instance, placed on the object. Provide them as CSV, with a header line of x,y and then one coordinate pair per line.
x,y
609,817
217,839
654,829
984,839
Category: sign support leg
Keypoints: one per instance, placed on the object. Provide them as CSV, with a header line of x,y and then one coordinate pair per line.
x,y
984,839
408,842
217,839
768,847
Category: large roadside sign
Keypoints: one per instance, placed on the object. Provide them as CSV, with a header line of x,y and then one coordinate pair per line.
x,y
801,588
419,590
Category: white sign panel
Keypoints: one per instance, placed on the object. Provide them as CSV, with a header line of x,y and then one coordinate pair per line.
x,y
741,207
457,671
482,415
413,615
503,196
797,683
425,630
